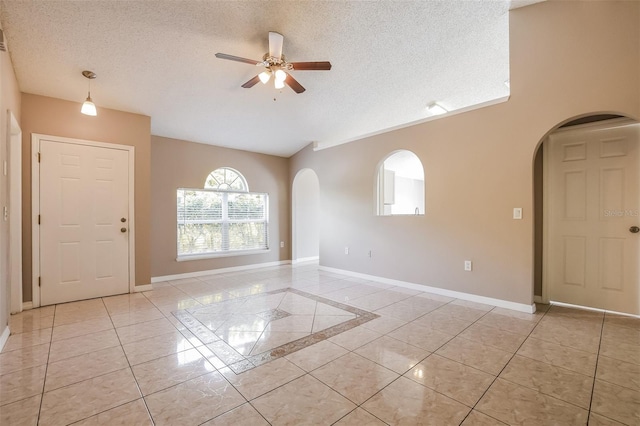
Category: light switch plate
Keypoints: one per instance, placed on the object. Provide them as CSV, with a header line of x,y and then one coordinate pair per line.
x,y
517,213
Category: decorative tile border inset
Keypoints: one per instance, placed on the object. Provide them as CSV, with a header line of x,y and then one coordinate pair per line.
x,y
240,363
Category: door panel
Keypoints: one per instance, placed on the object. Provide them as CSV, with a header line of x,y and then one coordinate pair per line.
x,y
611,264
575,200
592,199
575,254
83,196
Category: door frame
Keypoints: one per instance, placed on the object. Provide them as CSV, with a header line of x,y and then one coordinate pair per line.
x,y
546,231
14,139
35,205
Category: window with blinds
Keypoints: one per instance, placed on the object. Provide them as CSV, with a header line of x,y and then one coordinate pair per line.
x,y
212,221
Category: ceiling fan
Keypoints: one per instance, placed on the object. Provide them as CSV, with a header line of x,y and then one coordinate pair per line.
x,y
277,66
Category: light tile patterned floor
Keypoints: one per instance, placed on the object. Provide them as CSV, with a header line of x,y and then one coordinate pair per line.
x,y
171,356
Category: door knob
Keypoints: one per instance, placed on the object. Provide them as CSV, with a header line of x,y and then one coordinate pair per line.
x,y
123,220
634,229
123,229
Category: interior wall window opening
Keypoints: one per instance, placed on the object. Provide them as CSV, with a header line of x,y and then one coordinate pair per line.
x,y
400,185
222,219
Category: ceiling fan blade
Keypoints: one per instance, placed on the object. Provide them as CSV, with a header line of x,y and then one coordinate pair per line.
x,y
310,66
275,44
293,83
249,84
237,59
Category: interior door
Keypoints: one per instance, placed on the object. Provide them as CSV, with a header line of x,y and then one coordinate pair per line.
x,y
84,249
592,195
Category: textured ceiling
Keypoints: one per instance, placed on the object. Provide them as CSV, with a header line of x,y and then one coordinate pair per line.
x,y
390,59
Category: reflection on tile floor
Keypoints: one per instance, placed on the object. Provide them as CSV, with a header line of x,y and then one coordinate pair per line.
x,y
293,345
254,330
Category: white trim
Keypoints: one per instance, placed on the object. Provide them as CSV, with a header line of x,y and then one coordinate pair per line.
x,y
132,218
188,257
14,145
521,307
27,305
546,231
217,271
35,206
588,308
141,288
4,337
318,146
305,259
35,228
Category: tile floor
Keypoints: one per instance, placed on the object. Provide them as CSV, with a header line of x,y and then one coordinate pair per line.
x,y
296,345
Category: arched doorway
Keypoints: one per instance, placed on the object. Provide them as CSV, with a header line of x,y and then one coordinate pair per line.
x,y
305,217
587,200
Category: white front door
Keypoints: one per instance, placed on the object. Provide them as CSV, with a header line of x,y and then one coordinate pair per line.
x,y
84,197
592,194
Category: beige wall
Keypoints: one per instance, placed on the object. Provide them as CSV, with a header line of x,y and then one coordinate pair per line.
x,y
567,59
180,164
57,117
9,100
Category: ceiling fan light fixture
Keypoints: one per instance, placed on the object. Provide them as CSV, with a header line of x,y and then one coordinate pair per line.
x,y
276,65
88,107
264,76
436,109
280,75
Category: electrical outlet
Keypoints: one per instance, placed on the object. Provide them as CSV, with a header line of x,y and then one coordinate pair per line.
x,y
281,244
346,250
468,265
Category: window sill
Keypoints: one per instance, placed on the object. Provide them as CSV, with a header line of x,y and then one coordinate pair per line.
x,y
188,257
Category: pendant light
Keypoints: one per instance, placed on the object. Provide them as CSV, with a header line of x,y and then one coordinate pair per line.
x,y
88,107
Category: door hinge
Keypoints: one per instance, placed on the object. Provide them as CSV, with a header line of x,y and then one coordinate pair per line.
x,y
38,219
38,157
39,281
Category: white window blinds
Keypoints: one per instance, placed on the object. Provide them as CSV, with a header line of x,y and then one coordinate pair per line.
x,y
213,222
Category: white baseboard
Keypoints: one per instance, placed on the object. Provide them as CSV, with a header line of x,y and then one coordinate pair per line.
x,y
588,308
217,271
140,288
305,259
27,305
521,307
4,337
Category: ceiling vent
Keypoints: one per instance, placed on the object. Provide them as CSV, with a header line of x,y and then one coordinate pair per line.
x,y
3,47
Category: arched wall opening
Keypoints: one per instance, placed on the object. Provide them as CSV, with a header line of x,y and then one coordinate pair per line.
x,y
305,216
399,185
578,244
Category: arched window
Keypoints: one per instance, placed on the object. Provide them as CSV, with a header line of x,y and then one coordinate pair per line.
x,y
400,185
222,219
226,179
